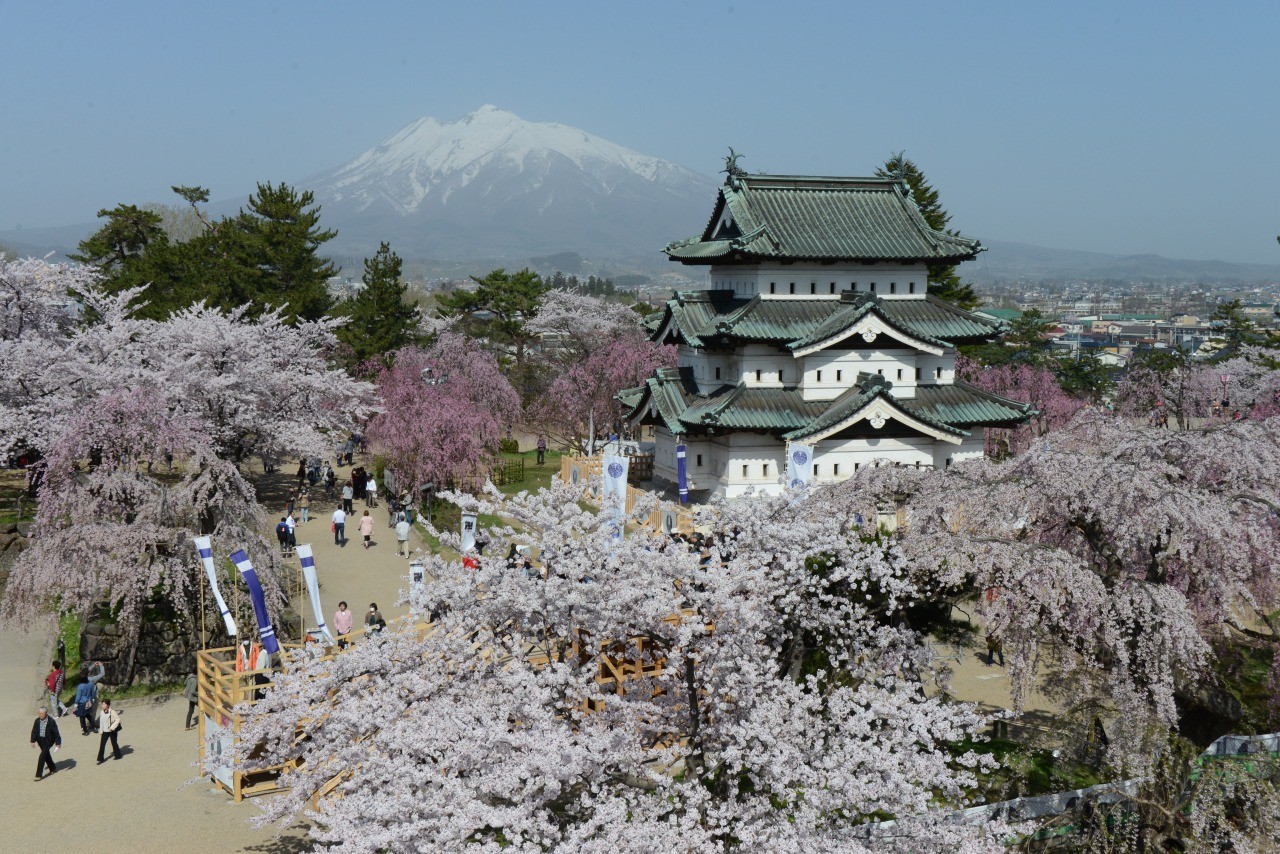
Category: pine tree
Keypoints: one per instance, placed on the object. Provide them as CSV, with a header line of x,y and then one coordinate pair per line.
x,y
272,252
379,321
943,281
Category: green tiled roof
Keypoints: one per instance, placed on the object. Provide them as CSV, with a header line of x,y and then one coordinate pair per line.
x,y
963,404
1005,314
785,412
798,218
700,316
932,318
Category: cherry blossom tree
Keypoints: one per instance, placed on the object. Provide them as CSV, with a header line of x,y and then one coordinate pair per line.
x,y
1192,392
1110,557
593,349
773,700
144,424
445,410
1032,384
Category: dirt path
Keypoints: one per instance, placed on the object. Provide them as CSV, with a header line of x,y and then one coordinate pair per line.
x,y
139,804
143,802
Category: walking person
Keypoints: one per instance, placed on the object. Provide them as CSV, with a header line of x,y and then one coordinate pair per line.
x,y
302,473
371,491
995,646
109,724
293,526
343,620
55,682
366,528
402,536
84,703
94,674
339,527
191,690
304,508
348,493
329,478
542,449
45,736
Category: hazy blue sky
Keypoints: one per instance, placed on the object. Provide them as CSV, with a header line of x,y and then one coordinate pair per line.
x,y
1149,127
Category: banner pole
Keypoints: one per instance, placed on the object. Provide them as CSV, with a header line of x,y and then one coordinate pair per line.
x,y
203,643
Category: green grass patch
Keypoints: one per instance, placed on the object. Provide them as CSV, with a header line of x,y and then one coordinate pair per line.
x,y
69,633
535,476
1025,771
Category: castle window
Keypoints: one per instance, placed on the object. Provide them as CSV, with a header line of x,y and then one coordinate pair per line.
x,y
758,376
880,371
813,287
899,373
717,373
699,463
873,287
765,470
911,287
835,468
833,287
815,469
917,375
839,375
937,373
773,287
744,471
779,374
893,287
793,287
948,463
819,377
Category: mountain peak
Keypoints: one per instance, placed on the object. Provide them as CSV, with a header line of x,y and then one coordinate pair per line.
x,y
501,180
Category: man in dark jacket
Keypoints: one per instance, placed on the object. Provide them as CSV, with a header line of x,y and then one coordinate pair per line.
x,y
45,735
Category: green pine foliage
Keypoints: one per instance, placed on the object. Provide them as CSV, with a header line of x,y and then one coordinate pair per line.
x,y
378,319
944,283
266,256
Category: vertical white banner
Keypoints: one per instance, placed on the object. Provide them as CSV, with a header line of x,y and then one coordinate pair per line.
x,y
205,548
799,466
313,587
613,488
468,532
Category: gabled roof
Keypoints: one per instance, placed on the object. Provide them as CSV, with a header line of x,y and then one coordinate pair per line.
x,y
803,218
671,398
702,317
964,405
855,403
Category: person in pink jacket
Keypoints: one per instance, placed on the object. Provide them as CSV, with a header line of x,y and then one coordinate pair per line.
x,y
366,527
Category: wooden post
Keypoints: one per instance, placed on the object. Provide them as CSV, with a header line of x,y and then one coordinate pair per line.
x,y
203,644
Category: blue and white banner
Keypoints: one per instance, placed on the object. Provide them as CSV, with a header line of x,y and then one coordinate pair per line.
x,y
614,480
265,632
682,473
468,532
613,488
205,548
308,562
799,466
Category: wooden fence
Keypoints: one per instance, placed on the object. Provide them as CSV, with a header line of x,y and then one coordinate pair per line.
x,y
663,519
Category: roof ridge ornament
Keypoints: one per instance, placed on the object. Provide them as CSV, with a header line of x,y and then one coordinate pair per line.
x,y
731,168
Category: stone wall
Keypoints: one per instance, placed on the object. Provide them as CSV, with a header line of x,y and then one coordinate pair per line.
x,y
166,652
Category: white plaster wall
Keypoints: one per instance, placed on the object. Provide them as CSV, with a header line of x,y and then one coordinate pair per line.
x,y
929,365
840,367
821,280
852,454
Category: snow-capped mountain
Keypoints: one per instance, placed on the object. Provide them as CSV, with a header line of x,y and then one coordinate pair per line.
x,y
491,184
